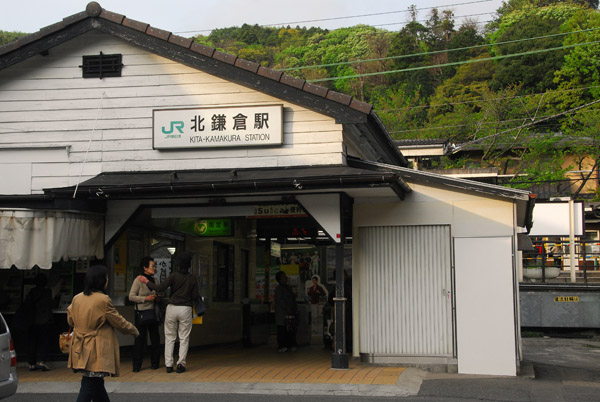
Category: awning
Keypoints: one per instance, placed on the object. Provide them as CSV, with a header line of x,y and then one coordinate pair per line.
x,y
29,238
211,183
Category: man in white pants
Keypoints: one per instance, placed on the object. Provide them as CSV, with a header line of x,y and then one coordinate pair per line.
x,y
178,319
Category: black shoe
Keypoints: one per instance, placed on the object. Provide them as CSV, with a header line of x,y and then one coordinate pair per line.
x,y
180,368
136,370
169,369
154,367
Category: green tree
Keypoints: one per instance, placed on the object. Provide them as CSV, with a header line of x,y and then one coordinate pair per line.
x,y
535,71
7,37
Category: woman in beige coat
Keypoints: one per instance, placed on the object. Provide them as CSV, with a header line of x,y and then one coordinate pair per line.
x,y
94,346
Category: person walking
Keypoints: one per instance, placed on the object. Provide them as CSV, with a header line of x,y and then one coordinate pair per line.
x,y
40,299
94,346
285,314
178,318
144,300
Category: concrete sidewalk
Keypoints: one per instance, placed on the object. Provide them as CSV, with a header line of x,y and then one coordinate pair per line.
x,y
233,369
236,370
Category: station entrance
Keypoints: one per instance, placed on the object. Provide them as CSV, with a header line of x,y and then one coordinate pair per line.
x,y
237,251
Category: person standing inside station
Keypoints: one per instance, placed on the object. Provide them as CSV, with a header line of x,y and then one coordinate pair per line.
x,y
285,314
144,300
40,299
178,318
316,293
94,346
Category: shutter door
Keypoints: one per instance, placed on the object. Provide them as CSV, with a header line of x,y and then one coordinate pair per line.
x,y
405,287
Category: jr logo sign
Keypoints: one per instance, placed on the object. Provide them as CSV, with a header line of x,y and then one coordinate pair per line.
x,y
174,125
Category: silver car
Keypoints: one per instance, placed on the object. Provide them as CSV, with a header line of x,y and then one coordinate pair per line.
x,y
8,362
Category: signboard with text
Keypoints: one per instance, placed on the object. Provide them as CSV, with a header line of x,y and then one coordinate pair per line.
x,y
205,227
217,127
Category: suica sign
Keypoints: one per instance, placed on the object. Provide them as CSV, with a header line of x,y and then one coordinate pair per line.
x,y
217,127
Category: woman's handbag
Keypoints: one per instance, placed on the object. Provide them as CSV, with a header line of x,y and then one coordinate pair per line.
x,y
64,341
145,317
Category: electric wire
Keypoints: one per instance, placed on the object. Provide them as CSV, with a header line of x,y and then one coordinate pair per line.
x,y
457,63
436,51
527,125
488,100
487,123
351,16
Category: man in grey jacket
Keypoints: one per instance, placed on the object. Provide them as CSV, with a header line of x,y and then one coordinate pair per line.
x,y
178,318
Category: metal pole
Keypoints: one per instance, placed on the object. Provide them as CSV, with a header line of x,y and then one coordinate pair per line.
x,y
572,240
340,359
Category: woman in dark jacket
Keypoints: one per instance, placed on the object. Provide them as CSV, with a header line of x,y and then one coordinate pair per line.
x,y
40,300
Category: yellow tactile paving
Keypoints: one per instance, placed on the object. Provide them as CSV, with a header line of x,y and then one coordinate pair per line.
x,y
309,364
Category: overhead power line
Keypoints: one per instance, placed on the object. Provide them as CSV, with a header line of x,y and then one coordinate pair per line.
x,y
483,123
404,56
381,13
353,16
456,63
500,98
527,125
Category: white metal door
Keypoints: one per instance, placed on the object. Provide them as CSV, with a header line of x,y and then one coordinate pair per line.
x,y
485,310
405,299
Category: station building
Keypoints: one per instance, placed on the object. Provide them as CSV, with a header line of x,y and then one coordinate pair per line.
x,y
120,140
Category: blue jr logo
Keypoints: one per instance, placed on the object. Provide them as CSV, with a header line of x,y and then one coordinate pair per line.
x,y
174,124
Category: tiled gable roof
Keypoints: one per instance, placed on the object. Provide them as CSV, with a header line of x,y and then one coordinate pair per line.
x,y
94,10
367,131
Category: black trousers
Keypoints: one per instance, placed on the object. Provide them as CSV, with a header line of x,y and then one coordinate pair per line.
x,y
139,345
92,389
38,338
285,338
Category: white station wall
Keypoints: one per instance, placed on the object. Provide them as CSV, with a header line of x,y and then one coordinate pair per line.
x,y
471,219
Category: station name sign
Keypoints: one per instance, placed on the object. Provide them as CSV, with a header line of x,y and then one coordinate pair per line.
x,y
217,127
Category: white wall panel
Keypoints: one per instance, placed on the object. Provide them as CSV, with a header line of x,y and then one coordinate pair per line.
x,y
404,302
485,306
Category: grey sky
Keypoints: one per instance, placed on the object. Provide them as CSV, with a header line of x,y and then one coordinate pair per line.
x,y
200,16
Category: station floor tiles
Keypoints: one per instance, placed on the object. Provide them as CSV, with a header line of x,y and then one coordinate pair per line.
x,y
234,363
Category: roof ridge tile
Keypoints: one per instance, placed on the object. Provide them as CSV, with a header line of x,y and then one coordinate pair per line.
x,y
133,24
202,49
269,73
247,65
114,17
71,19
181,41
158,33
224,57
339,97
292,81
316,89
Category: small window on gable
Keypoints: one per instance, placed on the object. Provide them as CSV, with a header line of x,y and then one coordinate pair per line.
x,y
103,65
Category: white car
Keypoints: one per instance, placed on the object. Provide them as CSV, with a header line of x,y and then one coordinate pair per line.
x,y
8,362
